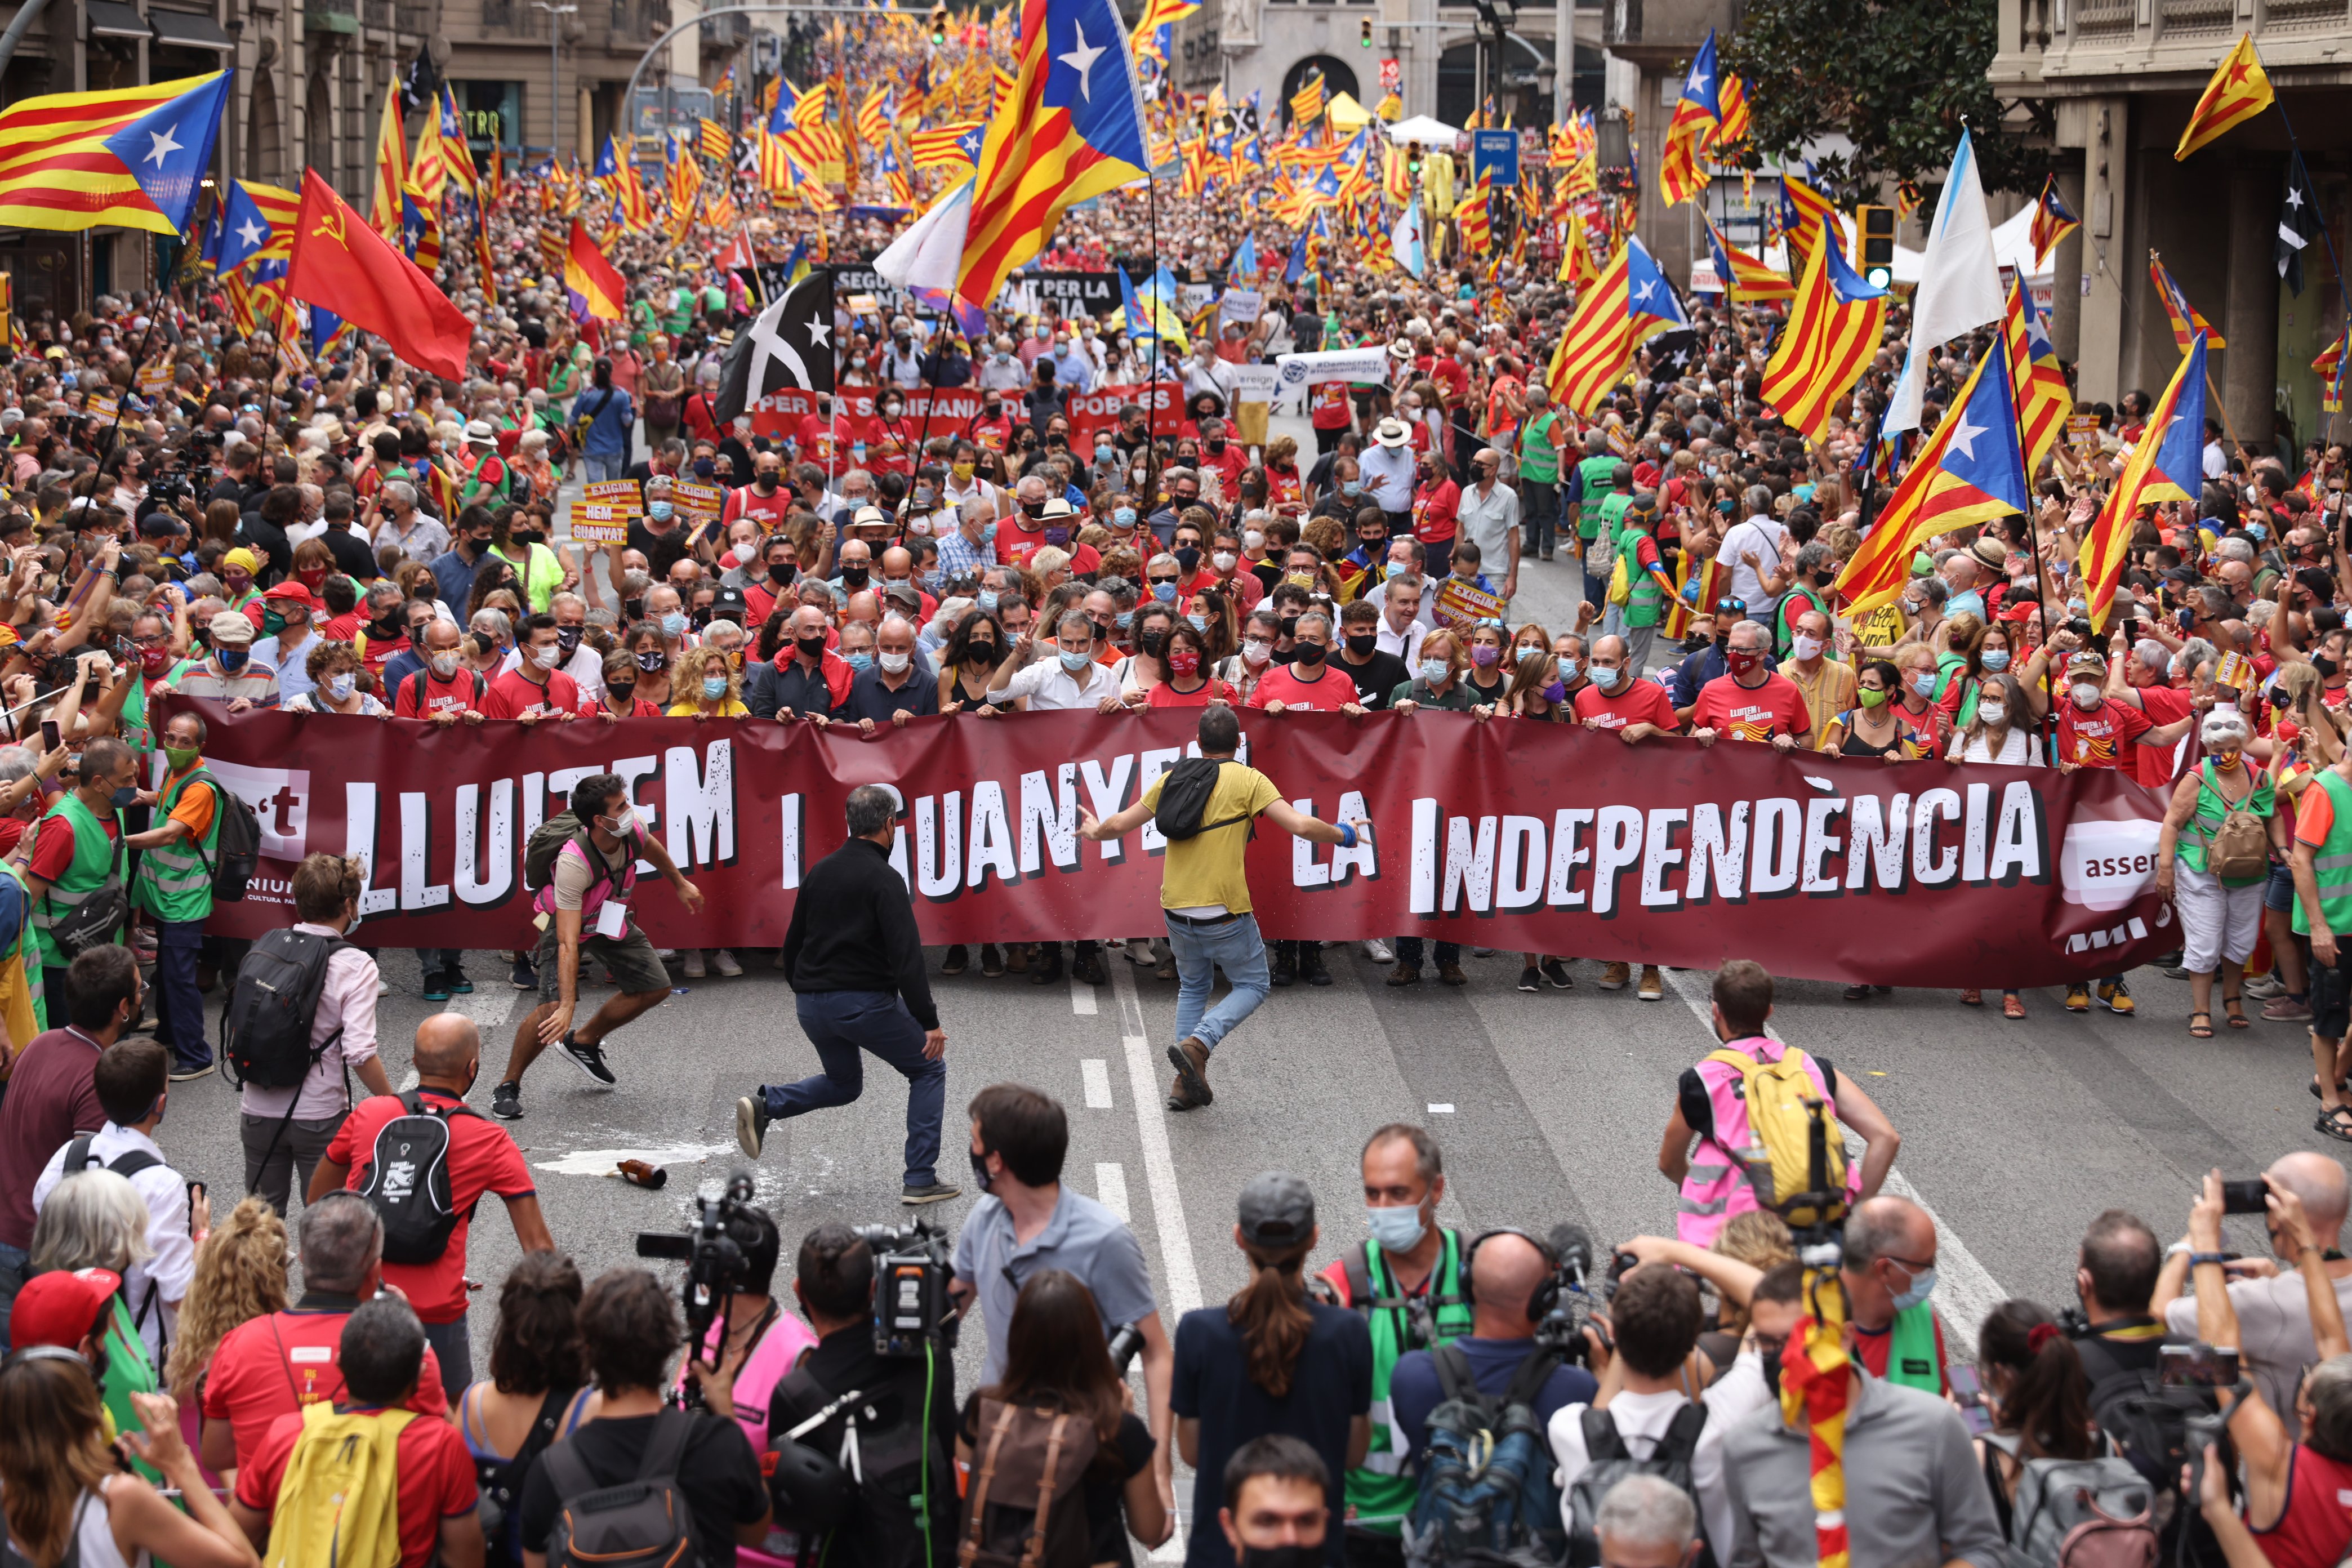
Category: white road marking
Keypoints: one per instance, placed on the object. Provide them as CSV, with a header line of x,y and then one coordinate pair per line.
x,y
1082,998
1095,1072
1441,1108
1158,1163
407,1081
1110,1188
1965,1290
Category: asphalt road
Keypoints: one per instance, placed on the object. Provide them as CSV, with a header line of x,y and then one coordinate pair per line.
x,y
1549,1106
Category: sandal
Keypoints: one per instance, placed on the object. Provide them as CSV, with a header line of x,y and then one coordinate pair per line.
x,y
2342,1085
2336,1122
2204,1032
1972,997
2236,1008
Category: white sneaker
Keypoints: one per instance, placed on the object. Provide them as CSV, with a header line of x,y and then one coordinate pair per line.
x,y
1139,952
1378,950
383,986
2266,986
665,955
724,962
694,969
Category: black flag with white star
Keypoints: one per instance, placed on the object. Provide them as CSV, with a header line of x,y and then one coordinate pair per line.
x,y
2298,223
790,344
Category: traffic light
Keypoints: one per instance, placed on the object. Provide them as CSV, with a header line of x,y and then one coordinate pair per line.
x,y
1364,36
1877,228
938,26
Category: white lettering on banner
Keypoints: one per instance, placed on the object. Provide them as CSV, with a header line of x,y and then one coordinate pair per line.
x,y
1616,848
991,838
497,868
281,799
1156,762
701,809
939,846
1972,839
1519,864
417,890
1875,842
1778,841
1107,795
1049,820
359,844
1660,856
1928,868
1725,851
791,810
1306,871
1364,859
1567,827
1333,365
630,770
1820,846
1469,864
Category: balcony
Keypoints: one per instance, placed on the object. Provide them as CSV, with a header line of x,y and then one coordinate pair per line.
x,y
2081,49
331,16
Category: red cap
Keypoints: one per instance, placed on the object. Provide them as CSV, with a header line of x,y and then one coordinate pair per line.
x,y
290,589
59,1308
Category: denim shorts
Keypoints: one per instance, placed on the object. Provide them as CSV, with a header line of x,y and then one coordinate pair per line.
x,y
2278,893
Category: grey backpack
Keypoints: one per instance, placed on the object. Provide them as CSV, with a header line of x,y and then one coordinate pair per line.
x,y
2080,1513
641,1524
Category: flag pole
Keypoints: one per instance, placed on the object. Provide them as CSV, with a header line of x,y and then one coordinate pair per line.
x,y
2295,150
1159,339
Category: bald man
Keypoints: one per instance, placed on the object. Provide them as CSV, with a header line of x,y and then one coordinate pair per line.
x,y
1507,1268
2274,1339
386,1133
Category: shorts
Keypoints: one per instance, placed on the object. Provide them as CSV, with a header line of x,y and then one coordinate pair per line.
x,y
636,966
2278,893
2331,998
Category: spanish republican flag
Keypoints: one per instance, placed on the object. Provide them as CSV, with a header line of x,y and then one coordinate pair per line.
x,y
340,265
589,276
2239,90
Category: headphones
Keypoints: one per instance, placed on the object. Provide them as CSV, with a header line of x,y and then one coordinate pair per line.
x,y
47,1352
1543,1297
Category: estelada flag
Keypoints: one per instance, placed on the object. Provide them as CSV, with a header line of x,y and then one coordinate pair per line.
x,y
2239,90
342,265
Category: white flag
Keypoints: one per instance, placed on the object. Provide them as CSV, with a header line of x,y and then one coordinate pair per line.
x,y
1959,283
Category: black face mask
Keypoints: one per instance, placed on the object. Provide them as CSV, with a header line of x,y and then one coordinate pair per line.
x,y
1151,643
980,1176
1693,642
1281,1556
1311,654
1290,625
781,572
568,639
529,537
855,576
1772,1372
1361,644
765,484
1188,557
632,609
811,647
653,663
1033,509
2325,665
621,693
980,652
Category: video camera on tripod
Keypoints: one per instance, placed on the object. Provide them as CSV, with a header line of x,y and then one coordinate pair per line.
x,y
912,1268
1576,1297
721,1230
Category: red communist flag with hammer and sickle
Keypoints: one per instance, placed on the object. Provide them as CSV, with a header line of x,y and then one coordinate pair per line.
x,y
342,265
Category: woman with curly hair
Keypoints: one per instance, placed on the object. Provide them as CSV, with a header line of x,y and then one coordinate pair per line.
x,y
335,669
240,1276
706,685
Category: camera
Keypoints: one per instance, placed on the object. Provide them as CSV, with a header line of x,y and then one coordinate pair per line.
x,y
912,1266
1123,1347
2249,1196
712,1250
1575,1297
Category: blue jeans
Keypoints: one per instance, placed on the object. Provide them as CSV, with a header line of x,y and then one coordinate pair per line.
x,y
840,1024
179,1006
13,1261
1232,945
607,465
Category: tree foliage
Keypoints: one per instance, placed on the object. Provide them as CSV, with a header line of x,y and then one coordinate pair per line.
x,y
1895,77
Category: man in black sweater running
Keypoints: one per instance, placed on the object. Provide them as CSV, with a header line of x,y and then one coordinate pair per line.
x,y
858,974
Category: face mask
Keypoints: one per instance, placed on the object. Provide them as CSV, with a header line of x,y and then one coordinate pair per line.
x,y
1310,654
1187,559
1485,657
546,655
2086,695
1742,662
618,694
272,623
1925,685
1164,592
861,661
632,609
1872,698
1058,537
704,467
1351,488
1568,668
339,686
1151,643
180,756
673,625
1432,670
1397,1228
1256,653
125,798
1555,691
620,826
1922,1284
980,1176
1695,642
659,510
235,657
1807,648
567,639
988,599
1993,712
1253,539
313,578
1363,644
1074,662
1996,659
764,483
896,663
714,686
155,660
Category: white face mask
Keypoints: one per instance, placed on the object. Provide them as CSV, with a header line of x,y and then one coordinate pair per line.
x,y
1807,648
1253,539
1605,676
545,657
1993,712
622,825
1257,652
445,664
1222,560
894,663
2087,694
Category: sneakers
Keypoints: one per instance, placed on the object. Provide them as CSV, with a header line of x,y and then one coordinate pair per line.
x,y
2288,1008
1451,974
591,1058
1088,967
2116,997
991,960
751,1122
1530,979
437,988
458,985
1310,966
506,1102
523,977
1284,969
1654,985
182,1073
1138,951
1378,950
694,968
2078,998
1192,1061
2262,987
383,986
1405,974
724,962
957,960
1557,973
937,1192
1615,976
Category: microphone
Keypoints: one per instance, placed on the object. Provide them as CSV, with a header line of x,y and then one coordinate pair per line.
x,y
1573,1245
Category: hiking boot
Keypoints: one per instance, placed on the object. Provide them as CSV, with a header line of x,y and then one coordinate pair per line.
x,y
2116,997
1284,970
589,1058
957,960
991,960
1557,973
751,1122
506,1102
1310,965
1530,979
1654,985
2078,998
1016,957
458,985
1048,967
437,988
937,1192
1192,1061
1616,976
1088,967
1451,973
1405,974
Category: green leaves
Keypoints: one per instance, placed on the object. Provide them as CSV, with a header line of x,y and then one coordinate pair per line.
x,y
1897,78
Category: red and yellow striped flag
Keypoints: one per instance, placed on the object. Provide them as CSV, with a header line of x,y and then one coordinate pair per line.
x,y
1475,216
1833,330
2037,382
390,166
1815,1384
55,171
717,145
2240,90
2185,322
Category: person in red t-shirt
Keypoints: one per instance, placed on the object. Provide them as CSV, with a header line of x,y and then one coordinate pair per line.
x,y
1618,698
1753,703
1307,682
1222,455
272,1366
2144,686
482,1160
1435,500
446,689
534,688
383,1355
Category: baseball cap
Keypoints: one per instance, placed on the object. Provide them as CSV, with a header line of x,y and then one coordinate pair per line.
x,y
291,589
58,1308
1276,1210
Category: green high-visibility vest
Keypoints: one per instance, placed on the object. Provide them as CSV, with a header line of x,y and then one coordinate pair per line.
x,y
93,870
2332,867
1911,1358
1597,474
1380,1491
176,880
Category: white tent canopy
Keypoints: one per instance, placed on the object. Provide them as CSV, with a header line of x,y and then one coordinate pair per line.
x,y
1420,128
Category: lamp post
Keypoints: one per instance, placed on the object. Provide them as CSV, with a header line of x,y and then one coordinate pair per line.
x,y
555,15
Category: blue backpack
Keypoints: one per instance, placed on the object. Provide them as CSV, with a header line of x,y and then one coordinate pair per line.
x,y
1487,1489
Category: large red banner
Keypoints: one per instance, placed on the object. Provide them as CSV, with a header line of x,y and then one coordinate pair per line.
x,y
955,411
1503,835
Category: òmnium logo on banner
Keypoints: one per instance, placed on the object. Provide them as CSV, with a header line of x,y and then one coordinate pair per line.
x,y
280,797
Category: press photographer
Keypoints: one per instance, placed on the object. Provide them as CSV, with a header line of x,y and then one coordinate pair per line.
x,y
860,1433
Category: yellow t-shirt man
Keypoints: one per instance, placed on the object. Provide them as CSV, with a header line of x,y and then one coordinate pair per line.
x,y
1199,873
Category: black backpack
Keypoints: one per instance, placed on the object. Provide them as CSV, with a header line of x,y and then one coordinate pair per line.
x,y
1609,1462
1184,799
2148,1424
408,1181
266,1027
895,1449
238,843
641,1524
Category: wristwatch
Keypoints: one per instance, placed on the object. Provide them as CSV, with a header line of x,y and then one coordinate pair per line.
x,y
2177,1248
